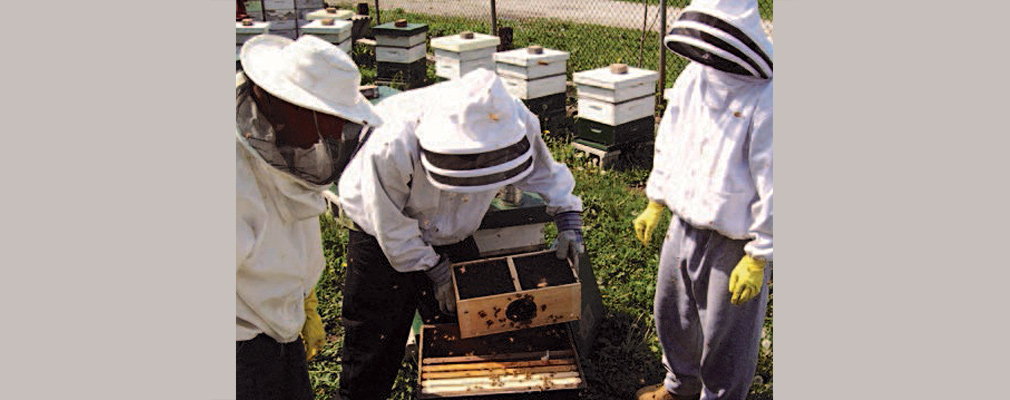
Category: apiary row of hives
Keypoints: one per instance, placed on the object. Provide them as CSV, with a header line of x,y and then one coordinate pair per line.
x,y
288,17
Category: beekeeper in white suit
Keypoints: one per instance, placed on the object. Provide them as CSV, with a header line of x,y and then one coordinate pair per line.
x,y
299,116
416,192
713,169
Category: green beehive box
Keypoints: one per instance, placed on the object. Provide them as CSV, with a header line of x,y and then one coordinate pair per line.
x,y
639,130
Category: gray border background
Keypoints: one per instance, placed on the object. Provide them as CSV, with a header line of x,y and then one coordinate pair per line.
x,y
118,211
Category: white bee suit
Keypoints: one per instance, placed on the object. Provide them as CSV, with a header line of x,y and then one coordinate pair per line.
x,y
713,159
279,255
385,189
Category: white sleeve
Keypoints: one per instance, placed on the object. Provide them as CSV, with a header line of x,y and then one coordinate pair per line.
x,y
385,186
250,211
550,179
655,186
760,157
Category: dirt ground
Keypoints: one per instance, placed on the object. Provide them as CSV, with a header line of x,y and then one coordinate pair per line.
x,y
621,14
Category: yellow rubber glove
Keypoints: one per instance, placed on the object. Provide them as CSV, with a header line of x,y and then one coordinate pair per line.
x,y
746,280
312,331
647,221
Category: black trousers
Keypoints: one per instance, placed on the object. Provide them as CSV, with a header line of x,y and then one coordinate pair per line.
x,y
379,304
268,370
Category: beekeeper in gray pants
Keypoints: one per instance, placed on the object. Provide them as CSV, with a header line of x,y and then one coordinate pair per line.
x,y
713,169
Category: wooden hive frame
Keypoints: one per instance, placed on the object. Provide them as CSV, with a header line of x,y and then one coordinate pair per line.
x,y
502,301
522,364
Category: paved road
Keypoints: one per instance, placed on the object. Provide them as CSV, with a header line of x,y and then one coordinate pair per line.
x,y
601,12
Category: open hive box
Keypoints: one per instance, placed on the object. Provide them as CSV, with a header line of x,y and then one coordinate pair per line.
x,y
539,362
515,292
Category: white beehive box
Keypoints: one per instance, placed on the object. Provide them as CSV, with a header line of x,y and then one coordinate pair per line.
x,y
337,33
536,88
243,32
400,41
329,12
530,63
399,54
604,84
457,55
465,42
615,114
454,68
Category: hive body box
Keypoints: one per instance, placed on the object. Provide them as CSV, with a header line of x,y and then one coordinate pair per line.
x,y
537,363
515,292
399,43
615,98
400,53
456,55
339,33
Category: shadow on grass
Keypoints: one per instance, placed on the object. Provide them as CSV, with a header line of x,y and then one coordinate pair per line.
x,y
624,357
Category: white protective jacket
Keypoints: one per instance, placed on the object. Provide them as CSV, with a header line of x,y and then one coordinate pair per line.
x,y
279,254
713,157
385,191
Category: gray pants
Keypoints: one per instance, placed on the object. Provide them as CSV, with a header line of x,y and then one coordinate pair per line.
x,y
709,345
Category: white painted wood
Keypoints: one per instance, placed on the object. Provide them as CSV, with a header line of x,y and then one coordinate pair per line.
x,y
500,240
531,89
401,41
457,44
616,96
322,14
531,72
615,114
336,33
521,63
485,53
603,78
399,54
454,68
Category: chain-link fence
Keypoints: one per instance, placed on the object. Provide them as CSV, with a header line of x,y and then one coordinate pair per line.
x,y
595,32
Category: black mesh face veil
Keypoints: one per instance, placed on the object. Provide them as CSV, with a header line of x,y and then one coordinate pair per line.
x,y
711,41
320,164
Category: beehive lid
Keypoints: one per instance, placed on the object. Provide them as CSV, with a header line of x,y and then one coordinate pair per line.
x,y
605,78
526,57
317,27
323,14
457,44
257,27
391,29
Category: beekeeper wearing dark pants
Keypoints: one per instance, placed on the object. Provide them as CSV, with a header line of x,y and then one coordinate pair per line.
x,y
713,169
416,193
298,117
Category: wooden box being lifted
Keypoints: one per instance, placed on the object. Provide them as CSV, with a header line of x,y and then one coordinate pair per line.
x,y
537,363
515,292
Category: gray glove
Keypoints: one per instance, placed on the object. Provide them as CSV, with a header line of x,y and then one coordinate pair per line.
x,y
569,243
441,276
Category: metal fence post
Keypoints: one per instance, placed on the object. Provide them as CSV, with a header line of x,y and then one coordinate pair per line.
x,y
494,19
378,19
662,47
